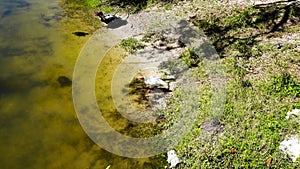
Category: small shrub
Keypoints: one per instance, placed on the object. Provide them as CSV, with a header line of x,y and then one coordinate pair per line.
x,y
284,85
190,57
131,44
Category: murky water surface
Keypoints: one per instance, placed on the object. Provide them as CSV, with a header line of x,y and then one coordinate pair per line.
x,y
38,124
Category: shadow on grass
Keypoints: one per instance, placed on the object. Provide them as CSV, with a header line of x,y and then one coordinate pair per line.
x,y
240,30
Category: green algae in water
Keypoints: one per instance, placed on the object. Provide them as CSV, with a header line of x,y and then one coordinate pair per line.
x,y
39,128
103,82
113,58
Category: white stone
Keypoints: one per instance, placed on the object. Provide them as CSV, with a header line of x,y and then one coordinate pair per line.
x,y
291,146
172,158
295,112
172,86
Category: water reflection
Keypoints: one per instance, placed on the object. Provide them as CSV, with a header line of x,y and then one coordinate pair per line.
x,y
38,126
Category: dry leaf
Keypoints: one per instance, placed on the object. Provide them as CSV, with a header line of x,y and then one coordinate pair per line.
x,y
268,162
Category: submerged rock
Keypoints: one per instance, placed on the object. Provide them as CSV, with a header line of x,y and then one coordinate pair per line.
x,y
64,81
80,33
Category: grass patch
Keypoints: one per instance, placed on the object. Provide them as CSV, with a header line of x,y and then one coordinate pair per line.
x,y
238,29
284,85
253,123
131,44
131,6
190,57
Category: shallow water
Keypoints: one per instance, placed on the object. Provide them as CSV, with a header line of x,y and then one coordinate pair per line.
x,y
38,124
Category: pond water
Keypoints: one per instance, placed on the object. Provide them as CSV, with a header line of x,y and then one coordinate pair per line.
x,y
38,125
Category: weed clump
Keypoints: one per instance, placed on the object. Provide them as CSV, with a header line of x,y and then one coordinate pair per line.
x,y
131,44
